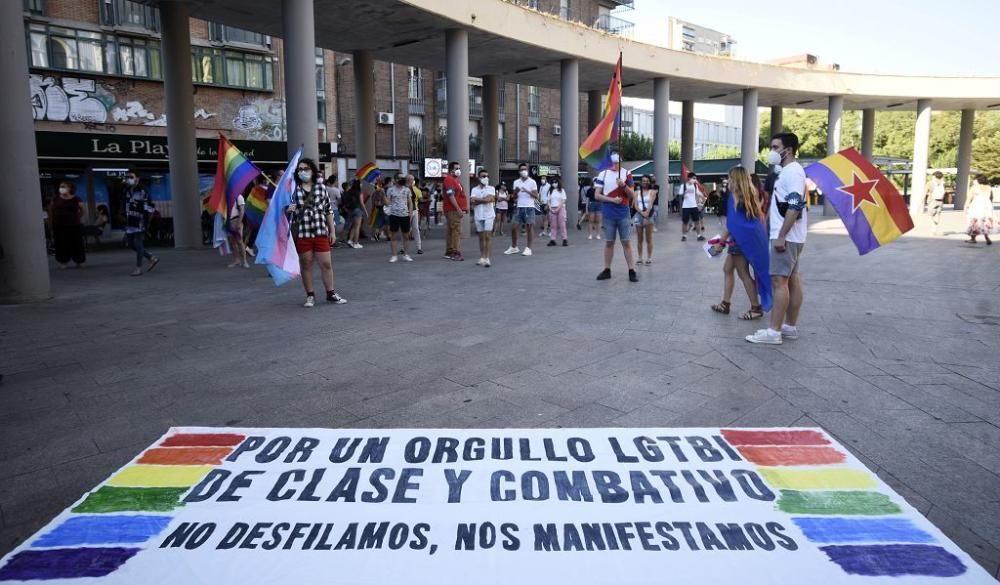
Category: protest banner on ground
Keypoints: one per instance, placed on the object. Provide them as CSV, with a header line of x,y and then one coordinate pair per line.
x,y
582,506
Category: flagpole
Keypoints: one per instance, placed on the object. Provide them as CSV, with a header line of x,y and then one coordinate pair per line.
x,y
620,97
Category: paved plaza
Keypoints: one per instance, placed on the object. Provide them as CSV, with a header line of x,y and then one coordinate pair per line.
x,y
899,360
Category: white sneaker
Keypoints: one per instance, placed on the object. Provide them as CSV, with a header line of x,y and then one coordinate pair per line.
x,y
407,258
598,236
481,262
393,259
487,263
765,336
511,250
310,302
527,252
590,237
789,332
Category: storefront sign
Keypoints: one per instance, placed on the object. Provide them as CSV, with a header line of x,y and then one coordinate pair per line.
x,y
453,507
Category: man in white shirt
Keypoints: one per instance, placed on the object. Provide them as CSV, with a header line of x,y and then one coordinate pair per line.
x,y
694,197
525,190
787,217
482,197
543,193
935,198
613,188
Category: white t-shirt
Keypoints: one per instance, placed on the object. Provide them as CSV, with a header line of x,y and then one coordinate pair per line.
x,y
235,211
690,195
502,198
938,192
523,188
557,198
483,210
543,193
790,186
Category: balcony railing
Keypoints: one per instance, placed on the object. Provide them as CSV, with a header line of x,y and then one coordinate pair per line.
x,y
533,151
614,25
502,149
417,105
475,104
475,148
418,147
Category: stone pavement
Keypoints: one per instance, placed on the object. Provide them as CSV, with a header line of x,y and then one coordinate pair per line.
x,y
898,360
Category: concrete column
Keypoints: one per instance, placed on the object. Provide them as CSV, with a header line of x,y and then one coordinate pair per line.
x,y
364,107
751,130
299,35
687,134
569,120
834,122
964,158
868,133
178,94
777,120
595,107
491,132
457,70
921,147
661,133
24,264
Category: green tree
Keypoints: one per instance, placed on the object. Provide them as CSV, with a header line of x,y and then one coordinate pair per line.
x,y
635,146
986,155
721,152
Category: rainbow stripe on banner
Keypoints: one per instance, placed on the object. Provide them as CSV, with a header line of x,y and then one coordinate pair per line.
x,y
866,201
256,206
835,506
368,173
115,522
596,149
233,173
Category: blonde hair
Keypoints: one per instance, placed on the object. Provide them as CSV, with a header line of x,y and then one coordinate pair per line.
x,y
744,191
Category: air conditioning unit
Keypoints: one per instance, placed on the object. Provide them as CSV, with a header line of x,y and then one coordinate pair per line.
x,y
556,130
386,118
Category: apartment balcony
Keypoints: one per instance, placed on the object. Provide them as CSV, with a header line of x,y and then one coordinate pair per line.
x,y
476,148
606,23
533,151
418,147
502,149
417,106
618,4
615,26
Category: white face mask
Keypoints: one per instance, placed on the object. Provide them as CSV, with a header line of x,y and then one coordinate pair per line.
x,y
524,174
773,158
457,172
305,176
484,180
615,157
63,190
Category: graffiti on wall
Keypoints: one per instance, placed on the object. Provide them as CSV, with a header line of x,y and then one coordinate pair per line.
x,y
100,105
69,99
261,119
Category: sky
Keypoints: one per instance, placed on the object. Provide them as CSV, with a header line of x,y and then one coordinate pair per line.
x,y
907,37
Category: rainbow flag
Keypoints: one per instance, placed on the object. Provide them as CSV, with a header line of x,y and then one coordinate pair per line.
x,y
596,149
866,201
233,172
256,206
275,248
368,173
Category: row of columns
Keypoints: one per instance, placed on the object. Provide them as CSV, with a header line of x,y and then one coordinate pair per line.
x,y
23,266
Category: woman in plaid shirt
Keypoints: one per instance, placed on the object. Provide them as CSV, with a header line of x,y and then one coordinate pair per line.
x,y
313,230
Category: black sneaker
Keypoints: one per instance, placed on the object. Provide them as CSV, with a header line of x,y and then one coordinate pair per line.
x,y
420,251
632,276
605,274
333,297
701,238
565,243
684,238
551,243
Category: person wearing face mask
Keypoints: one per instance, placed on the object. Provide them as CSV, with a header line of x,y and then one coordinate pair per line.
x,y
645,201
137,206
691,214
787,217
503,203
455,207
65,215
482,198
399,205
526,191
614,188
557,212
313,230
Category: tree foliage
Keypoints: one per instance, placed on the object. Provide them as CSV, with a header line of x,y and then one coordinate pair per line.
x,y
637,147
722,151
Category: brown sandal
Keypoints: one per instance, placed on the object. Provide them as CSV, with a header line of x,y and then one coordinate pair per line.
x,y
755,312
722,307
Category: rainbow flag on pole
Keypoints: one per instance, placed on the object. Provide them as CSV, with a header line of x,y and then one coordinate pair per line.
x,y
596,149
368,173
233,172
256,206
275,248
866,201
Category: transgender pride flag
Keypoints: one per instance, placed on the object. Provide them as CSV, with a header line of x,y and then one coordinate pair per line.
x,y
275,248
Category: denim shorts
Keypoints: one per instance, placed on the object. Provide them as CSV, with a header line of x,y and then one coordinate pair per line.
x,y
620,227
640,221
484,225
525,215
594,207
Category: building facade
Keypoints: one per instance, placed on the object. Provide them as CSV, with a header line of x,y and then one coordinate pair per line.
x,y
96,82
694,38
709,134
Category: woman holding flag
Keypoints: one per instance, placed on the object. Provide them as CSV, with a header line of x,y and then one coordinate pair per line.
x,y
313,229
745,235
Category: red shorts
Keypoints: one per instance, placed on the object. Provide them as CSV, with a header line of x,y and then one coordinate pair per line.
x,y
320,244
